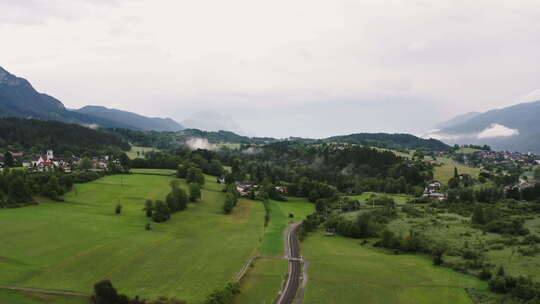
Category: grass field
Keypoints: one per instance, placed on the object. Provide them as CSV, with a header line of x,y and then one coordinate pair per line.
x,y
132,154
262,282
445,172
74,244
18,297
342,271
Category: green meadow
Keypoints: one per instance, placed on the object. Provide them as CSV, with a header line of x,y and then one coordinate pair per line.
x,y
74,244
138,152
445,172
263,281
343,271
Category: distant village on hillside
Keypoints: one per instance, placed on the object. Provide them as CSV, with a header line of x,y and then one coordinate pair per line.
x,y
49,162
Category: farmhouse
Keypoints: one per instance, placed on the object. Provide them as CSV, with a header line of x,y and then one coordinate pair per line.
x,y
432,186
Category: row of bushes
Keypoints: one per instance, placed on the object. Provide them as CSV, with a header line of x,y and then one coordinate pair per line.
x,y
105,293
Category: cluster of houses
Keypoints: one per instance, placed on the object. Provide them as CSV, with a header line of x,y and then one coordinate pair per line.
x,y
48,162
246,187
433,190
501,157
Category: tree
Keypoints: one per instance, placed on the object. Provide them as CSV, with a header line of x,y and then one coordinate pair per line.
x,y
181,171
86,163
8,159
124,160
177,199
148,207
105,293
419,154
456,175
478,215
18,191
195,175
161,212
215,168
52,189
194,192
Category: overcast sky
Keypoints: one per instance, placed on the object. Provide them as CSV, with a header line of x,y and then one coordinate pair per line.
x,y
282,67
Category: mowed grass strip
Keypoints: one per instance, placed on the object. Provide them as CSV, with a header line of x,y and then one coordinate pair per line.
x,y
74,244
273,238
342,271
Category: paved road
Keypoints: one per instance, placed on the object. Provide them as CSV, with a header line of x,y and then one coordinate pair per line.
x,y
295,267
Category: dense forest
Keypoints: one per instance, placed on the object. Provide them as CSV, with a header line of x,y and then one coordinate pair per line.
x,y
39,135
350,169
391,141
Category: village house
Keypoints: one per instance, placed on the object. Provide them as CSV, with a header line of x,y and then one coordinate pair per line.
x,y
433,186
433,190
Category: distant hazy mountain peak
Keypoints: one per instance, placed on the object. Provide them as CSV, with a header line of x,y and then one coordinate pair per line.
x,y
19,99
210,120
457,120
6,78
135,120
513,128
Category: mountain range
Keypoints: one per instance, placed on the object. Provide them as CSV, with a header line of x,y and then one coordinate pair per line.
x,y
19,99
513,128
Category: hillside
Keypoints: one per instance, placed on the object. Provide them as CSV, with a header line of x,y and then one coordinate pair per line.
x,y
513,128
134,120
391,141
457,120
39,135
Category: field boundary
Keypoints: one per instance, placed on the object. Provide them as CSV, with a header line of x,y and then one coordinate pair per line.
x,y
239,275
47,291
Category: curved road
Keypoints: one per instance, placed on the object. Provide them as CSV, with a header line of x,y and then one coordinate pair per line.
x,y
295,267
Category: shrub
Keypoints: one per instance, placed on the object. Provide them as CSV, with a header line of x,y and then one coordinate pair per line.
x,y
485,274
118,209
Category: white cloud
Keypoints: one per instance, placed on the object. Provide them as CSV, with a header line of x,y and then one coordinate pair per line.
x,y
199,143
497,130
531,96
417,46
177,57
